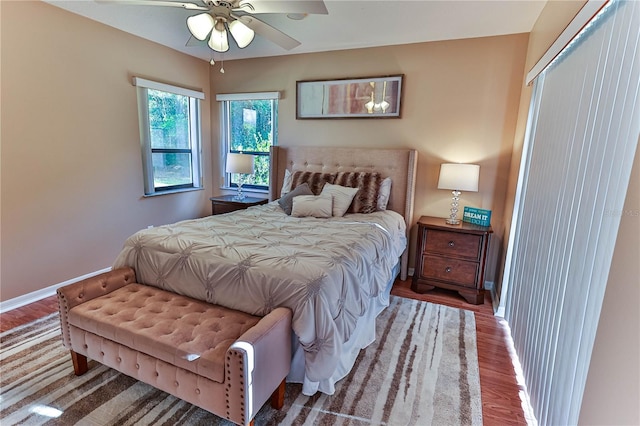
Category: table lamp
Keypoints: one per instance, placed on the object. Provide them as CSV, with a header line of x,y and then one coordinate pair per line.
x,y
242,164
458,177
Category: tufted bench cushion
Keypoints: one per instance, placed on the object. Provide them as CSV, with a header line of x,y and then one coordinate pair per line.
x,y
187,333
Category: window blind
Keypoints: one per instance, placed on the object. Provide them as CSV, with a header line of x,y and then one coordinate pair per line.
x,y
582,136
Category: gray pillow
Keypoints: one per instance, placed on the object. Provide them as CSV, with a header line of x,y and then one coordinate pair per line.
x,y
286,201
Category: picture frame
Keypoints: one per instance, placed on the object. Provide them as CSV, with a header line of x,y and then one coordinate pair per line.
x,y
364,97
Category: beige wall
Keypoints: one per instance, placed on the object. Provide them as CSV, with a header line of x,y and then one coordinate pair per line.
x,y
460,104
613,385
71,167
553,19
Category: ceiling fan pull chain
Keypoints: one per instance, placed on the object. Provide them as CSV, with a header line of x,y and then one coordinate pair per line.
x,y
222,61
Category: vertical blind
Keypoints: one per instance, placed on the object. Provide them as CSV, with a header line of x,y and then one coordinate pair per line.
x,y
582,136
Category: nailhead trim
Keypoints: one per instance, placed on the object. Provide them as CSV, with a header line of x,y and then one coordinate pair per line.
x,y
64,309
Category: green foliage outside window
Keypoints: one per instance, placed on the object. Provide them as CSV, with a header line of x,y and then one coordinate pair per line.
x,y
251,131
168,120
170,143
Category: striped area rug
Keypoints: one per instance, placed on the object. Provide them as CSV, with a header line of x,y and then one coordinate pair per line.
x,y
422,370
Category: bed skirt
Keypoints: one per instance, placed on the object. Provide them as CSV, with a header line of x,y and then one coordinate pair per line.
x,y
363,335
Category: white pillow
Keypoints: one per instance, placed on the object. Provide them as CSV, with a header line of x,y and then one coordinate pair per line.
x,y
383,194
342,197
286,183
312,205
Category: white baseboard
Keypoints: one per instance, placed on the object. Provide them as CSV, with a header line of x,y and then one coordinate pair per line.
x,y
490,285
410,271
25,299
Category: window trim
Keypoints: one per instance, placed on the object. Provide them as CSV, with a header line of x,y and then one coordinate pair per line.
x,y
163,87
247,96
224,99
195,136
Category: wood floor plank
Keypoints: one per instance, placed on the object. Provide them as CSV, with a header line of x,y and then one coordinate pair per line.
x,y
500,391
28,313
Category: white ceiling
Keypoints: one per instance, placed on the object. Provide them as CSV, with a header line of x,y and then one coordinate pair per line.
x,y
349,24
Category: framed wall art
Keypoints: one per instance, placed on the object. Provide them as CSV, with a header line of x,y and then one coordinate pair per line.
x,y
367,97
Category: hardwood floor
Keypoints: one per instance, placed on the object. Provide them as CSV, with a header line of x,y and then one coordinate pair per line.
x,y
28,313
501,402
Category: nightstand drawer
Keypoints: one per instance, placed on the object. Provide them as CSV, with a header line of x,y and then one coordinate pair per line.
x,y
454,244
219,208
452,270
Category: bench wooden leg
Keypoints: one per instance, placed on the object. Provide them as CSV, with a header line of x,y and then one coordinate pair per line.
x,y
277,397
79,363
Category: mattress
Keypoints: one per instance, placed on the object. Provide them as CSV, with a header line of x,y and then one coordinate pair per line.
x,y
327,271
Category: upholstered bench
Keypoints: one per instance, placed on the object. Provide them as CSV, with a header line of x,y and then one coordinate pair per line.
x,y
224,361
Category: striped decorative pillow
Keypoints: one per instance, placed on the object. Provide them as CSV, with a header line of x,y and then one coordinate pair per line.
x,y
315,180
368,184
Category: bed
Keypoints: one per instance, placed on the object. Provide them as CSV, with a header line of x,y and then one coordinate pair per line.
x,y
335,274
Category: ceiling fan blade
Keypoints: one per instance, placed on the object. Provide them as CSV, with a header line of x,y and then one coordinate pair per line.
x,y
183,5
268,32
313,7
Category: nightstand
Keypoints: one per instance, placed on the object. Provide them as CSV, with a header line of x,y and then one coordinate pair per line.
x,y
226,203
451,257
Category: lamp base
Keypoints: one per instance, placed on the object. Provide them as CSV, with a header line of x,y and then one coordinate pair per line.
x,y
453,219
239,195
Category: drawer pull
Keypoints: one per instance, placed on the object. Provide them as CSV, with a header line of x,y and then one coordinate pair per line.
x,y
447,269
451,243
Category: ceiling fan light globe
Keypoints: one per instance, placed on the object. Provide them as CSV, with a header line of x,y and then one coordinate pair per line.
x,y
218,41
242,34
200,25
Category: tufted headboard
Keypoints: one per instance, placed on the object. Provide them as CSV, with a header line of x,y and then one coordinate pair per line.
x,y
399,164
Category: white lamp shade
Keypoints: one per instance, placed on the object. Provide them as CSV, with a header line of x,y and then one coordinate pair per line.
x,y
200,25
242,34
460,177
239,163
218,40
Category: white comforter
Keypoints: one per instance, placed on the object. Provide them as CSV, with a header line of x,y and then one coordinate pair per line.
x,y
324,270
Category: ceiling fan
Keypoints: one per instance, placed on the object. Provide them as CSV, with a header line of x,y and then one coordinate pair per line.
x,y
221,17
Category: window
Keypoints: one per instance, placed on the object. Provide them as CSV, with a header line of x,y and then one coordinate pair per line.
x,y
249,125
170,137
